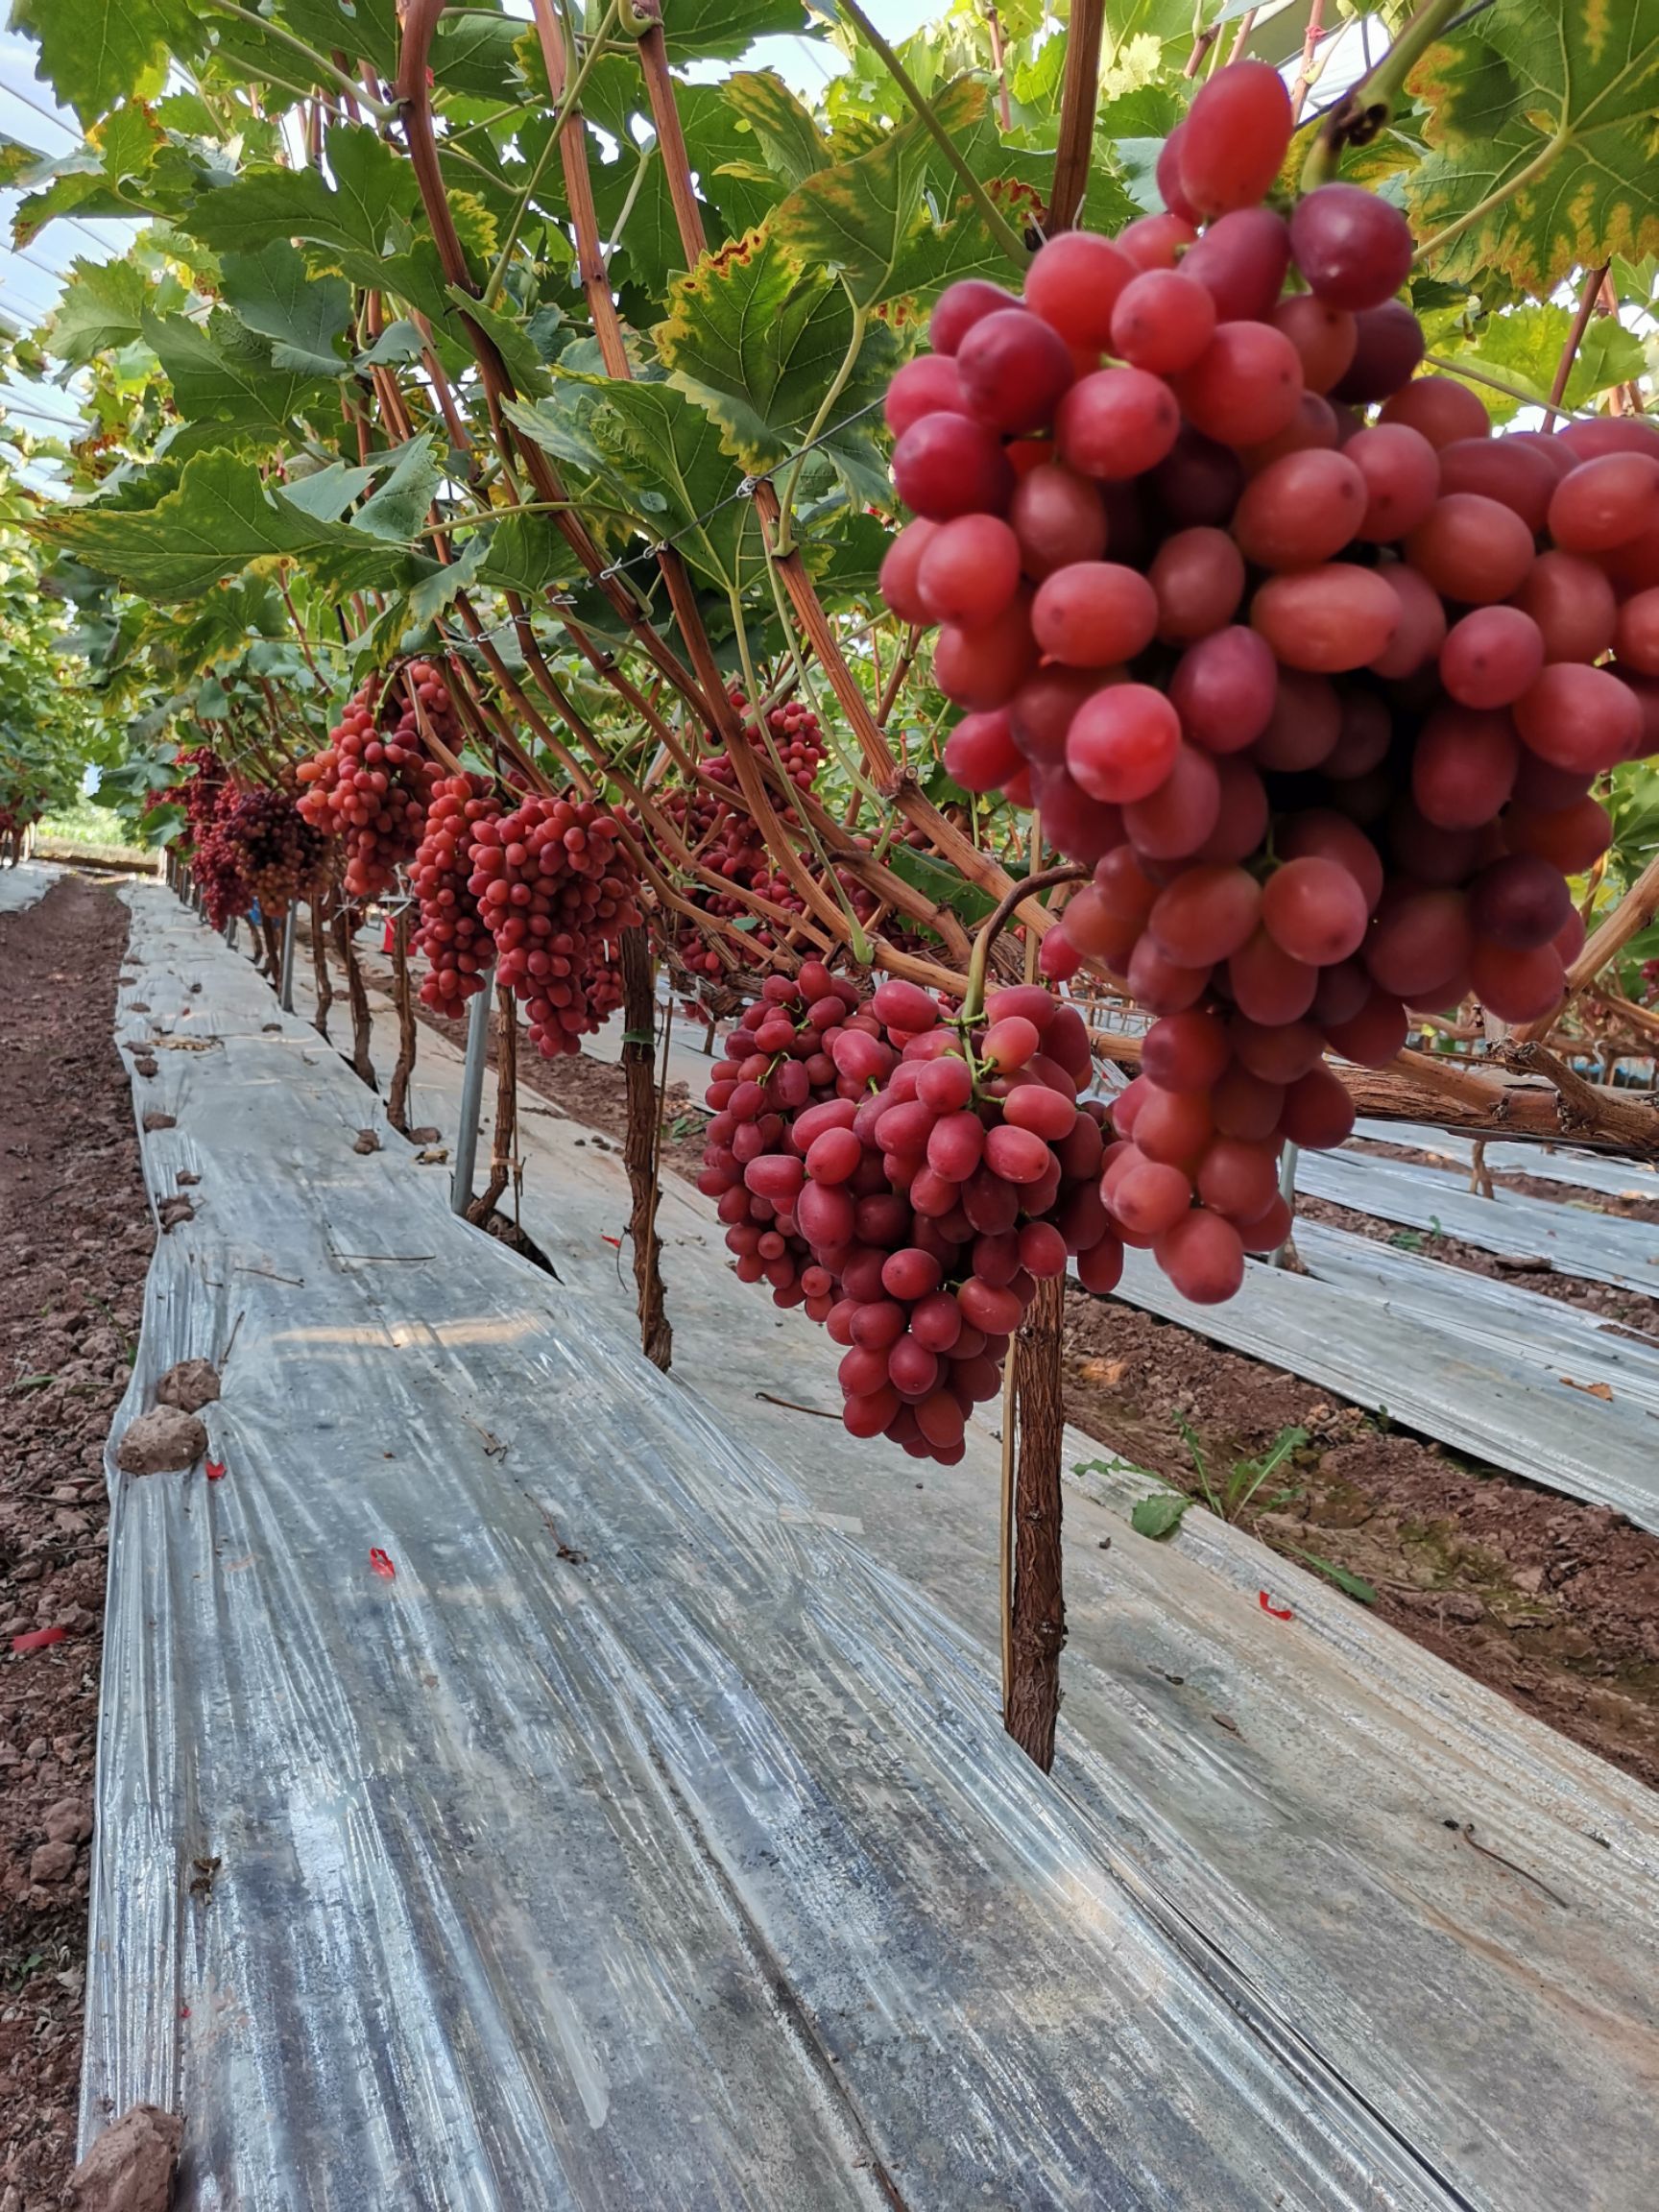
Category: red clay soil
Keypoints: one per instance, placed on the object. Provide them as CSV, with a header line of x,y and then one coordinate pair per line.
x,y
75,1240
1553,1603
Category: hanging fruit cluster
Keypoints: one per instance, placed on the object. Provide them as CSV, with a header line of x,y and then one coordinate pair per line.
x,y
908,1179
371,785
451,933
276,852
724,836
1313,671
556,889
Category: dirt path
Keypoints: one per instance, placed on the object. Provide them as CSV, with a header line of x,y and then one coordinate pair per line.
x,y
1553,1603
75,1241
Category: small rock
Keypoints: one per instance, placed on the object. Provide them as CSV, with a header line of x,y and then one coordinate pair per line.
x,y
12,2199
173,1211
366,1141
425,1135
190,1385
184,1179
131,2165
68,1821
1530,1580
153,1120
163,1441
52,1862
37,1749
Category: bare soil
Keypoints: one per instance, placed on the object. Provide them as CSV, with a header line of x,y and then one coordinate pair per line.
x,y
75,1241
1553,1603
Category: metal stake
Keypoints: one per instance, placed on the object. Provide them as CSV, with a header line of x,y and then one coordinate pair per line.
x,y
471,1097
1286,1191
290,933
230,932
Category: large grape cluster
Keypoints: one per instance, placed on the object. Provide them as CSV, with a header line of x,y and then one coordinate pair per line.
x,y
278,855
372,784
908,1180
556,890
451,933
724,836
1313,671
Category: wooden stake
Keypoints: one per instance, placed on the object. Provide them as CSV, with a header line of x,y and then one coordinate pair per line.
x,y
397,1098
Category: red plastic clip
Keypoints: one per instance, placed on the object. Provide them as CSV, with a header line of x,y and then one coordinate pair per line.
x,y
614,1241
1279,1612
38,1639
215,1469
380,1561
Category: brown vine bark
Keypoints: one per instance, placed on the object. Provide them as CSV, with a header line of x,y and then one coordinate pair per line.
x,y
325,988
1039,1625
397,1096
640,1151
1079,92
504,1137
363,1065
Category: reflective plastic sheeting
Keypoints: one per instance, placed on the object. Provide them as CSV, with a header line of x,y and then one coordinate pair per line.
x,y
26,884
511,1795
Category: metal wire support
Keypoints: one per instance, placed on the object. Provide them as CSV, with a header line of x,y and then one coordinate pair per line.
x,y
471,1098
290,937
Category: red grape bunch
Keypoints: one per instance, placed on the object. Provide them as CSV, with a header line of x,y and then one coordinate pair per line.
x,y
724,836
373,783
908,1179
1313,671
451,933
556,890
278,855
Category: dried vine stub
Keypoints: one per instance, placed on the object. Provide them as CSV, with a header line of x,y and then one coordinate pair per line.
x,y
908,1179
1313,671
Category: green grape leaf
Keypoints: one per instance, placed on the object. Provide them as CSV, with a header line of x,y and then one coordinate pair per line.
x,y
527,553
362,30
100,307
438,588
219,519
303,316
720,30
790,144
326,492
757,342
400,506
473,52
373,191
224,376
654,436
94,53
1548,113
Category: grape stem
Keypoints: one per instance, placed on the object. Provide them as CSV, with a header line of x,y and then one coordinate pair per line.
x,y
1367,107
973,1004
994,220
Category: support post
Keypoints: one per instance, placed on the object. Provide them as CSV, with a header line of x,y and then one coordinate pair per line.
x,y
471,1099
1037,1629
290,936
1287,1191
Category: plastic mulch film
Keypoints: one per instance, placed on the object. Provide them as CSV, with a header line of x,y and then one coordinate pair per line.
x,y
510,1795
25,885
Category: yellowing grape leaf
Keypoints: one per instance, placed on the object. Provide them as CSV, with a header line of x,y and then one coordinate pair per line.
x,y
875,219
758,341
1543,124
